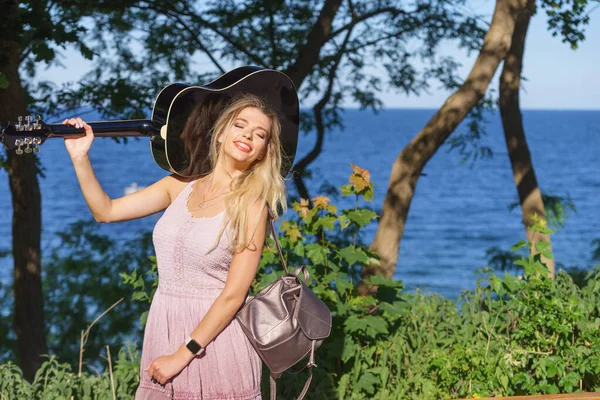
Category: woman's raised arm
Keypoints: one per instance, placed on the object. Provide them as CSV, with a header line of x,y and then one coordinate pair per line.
x,y
147,201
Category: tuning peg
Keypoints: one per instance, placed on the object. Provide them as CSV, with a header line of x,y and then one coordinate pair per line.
x,y
28,126
36,144
19,143
38,122
20,127
28,142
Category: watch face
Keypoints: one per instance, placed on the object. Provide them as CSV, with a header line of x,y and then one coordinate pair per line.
x,y
193,346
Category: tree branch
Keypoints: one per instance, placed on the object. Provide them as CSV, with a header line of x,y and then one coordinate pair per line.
x,y
199,43
355,20
272,39
318,113
308,55
375,41
255,59
360,18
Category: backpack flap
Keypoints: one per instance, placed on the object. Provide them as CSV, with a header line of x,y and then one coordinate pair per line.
x,y
313,315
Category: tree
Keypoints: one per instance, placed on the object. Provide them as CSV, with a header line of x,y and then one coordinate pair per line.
x,y
509,22
327,47
410,162
28,31
568,23
26,222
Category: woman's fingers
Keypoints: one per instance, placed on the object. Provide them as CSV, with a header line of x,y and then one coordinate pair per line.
x,y
154,372
77,123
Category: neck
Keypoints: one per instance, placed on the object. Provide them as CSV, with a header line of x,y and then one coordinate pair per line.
x,y
222,176
229,168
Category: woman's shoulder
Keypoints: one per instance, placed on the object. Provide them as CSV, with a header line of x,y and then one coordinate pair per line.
x,y
174,184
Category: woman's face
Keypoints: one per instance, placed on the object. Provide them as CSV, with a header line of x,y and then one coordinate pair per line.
x,y
247,138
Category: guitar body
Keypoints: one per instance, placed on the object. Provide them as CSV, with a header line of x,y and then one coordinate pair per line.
x,y
160,112
193,110
182,119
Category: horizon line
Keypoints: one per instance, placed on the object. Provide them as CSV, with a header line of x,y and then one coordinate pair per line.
x,y
437,108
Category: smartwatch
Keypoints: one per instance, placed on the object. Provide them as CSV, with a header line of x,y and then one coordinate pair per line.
x,y
193,346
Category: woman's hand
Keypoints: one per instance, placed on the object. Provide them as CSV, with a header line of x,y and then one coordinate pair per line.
x,y
164,368
79,146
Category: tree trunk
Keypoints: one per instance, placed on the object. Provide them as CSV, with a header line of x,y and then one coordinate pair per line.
x,y
26,223
530,195
411,161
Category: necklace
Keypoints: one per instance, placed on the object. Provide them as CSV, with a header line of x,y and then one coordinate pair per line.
x,y
201,204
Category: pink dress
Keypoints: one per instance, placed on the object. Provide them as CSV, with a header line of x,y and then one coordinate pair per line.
x,y
190,279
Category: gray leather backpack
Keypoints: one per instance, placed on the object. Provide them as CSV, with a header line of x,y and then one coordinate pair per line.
x,y
285,322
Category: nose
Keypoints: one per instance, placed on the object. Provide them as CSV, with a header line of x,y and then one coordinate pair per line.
x,y
247,134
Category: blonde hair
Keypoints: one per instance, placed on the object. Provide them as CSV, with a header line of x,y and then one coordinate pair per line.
x,y
260,182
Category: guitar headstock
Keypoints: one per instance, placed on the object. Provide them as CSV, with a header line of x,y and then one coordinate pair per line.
x,y
26,135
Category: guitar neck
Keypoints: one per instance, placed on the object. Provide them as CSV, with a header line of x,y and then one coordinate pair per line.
x,y
132,127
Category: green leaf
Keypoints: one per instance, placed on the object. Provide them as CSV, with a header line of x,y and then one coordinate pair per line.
x,y
511,282
343,285
316,253
327,222
352,255
545,230
368,193
380,280
344,221
361,217
522,243
374,325
86,52
342,386
350,348
504,381
367,383
544,249
393,309
551,367
347,190
139,296
299,249
523,262
143,318
3,81
497,285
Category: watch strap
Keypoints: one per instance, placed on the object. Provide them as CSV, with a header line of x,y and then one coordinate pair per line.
x,y
193,346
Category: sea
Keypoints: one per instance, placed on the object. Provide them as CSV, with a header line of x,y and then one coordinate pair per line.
x,y
460,208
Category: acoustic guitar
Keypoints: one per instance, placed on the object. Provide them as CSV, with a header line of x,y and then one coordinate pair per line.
x,y
181,122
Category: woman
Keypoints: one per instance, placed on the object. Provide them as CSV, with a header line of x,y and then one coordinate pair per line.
x,y
208,245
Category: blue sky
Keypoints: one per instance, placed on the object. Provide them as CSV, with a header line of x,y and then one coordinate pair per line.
x,y
557,77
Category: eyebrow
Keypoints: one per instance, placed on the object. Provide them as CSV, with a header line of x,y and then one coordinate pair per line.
x,y
246,121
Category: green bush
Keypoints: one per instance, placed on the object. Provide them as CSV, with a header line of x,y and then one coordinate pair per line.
x,y
79,283
56,381
510,336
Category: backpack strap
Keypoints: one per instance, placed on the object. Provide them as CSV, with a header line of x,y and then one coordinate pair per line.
x,y
273,385
271,218
310,365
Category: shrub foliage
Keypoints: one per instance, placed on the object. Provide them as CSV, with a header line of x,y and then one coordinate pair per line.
x,y
512,335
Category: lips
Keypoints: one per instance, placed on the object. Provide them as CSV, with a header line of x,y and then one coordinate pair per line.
x,y
245,147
